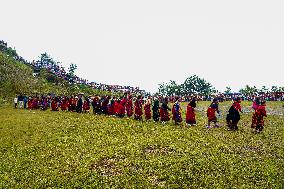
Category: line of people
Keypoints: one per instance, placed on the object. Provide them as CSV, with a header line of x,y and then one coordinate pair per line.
x,y
154,108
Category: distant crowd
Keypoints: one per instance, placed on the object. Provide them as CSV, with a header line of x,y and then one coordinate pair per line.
x,y
60,71
143,108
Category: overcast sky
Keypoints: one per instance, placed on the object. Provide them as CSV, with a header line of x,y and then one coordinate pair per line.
x,y
144,43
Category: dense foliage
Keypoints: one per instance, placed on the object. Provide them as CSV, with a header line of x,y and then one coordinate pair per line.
x,y
192,85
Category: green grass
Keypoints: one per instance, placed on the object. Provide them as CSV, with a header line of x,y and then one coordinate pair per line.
x,y
67,150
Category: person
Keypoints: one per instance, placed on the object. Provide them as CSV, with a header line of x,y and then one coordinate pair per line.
x,y
21,101
25,101
71,103
211,113
156,110
255,105
86,105
64,103
176,111
54,105
260,114
111,107
190,112
16,101
121,108
43,103
164,114
129,106
79,105
35,103
138,108
233,117
147,109
96,105
105,102
30,103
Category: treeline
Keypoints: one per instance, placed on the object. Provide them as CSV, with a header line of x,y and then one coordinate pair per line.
x,y
195,85
191,86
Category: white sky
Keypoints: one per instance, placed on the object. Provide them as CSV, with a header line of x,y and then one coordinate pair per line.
x,y
143,43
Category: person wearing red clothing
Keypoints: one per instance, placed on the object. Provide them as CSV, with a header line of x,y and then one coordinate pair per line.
x,y
211,113
54,106
164,114
116,106
30,103
86,105
255,105
233,117
111,107
64,104
190,112
260,114
147,109
71,104
138,108
121,107
129,106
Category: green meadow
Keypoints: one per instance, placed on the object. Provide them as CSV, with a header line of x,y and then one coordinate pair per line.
x,y
45,149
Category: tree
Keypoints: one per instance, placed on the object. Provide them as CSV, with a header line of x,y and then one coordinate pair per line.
x,y
197,85
275,89
228,90
264,89
249,90
71,72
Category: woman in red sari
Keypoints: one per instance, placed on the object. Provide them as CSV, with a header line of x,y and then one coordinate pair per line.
x,y
129,106
147,109
190,114
30,103
64,104
138,108
54,106
211,113
86,105
164,111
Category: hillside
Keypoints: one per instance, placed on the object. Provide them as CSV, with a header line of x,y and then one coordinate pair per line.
x,y
18,78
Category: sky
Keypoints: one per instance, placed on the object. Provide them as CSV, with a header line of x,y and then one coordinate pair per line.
x,y
144,43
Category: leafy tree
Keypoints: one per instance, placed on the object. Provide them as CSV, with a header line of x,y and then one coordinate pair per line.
x,y
249,90
197,85
264,89
228,90
192,85
71,72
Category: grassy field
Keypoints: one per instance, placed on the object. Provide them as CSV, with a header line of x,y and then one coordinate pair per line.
x,y
67,150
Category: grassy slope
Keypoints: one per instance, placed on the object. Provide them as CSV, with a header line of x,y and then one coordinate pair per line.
x,y
62,149
16,78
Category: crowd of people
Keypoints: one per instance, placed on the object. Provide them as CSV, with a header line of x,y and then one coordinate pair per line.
x,y
58,70
153,108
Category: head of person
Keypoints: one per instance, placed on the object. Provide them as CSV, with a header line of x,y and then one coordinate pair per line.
x,y
238,99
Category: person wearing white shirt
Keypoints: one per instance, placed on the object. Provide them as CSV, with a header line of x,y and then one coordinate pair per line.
x,y
16,101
